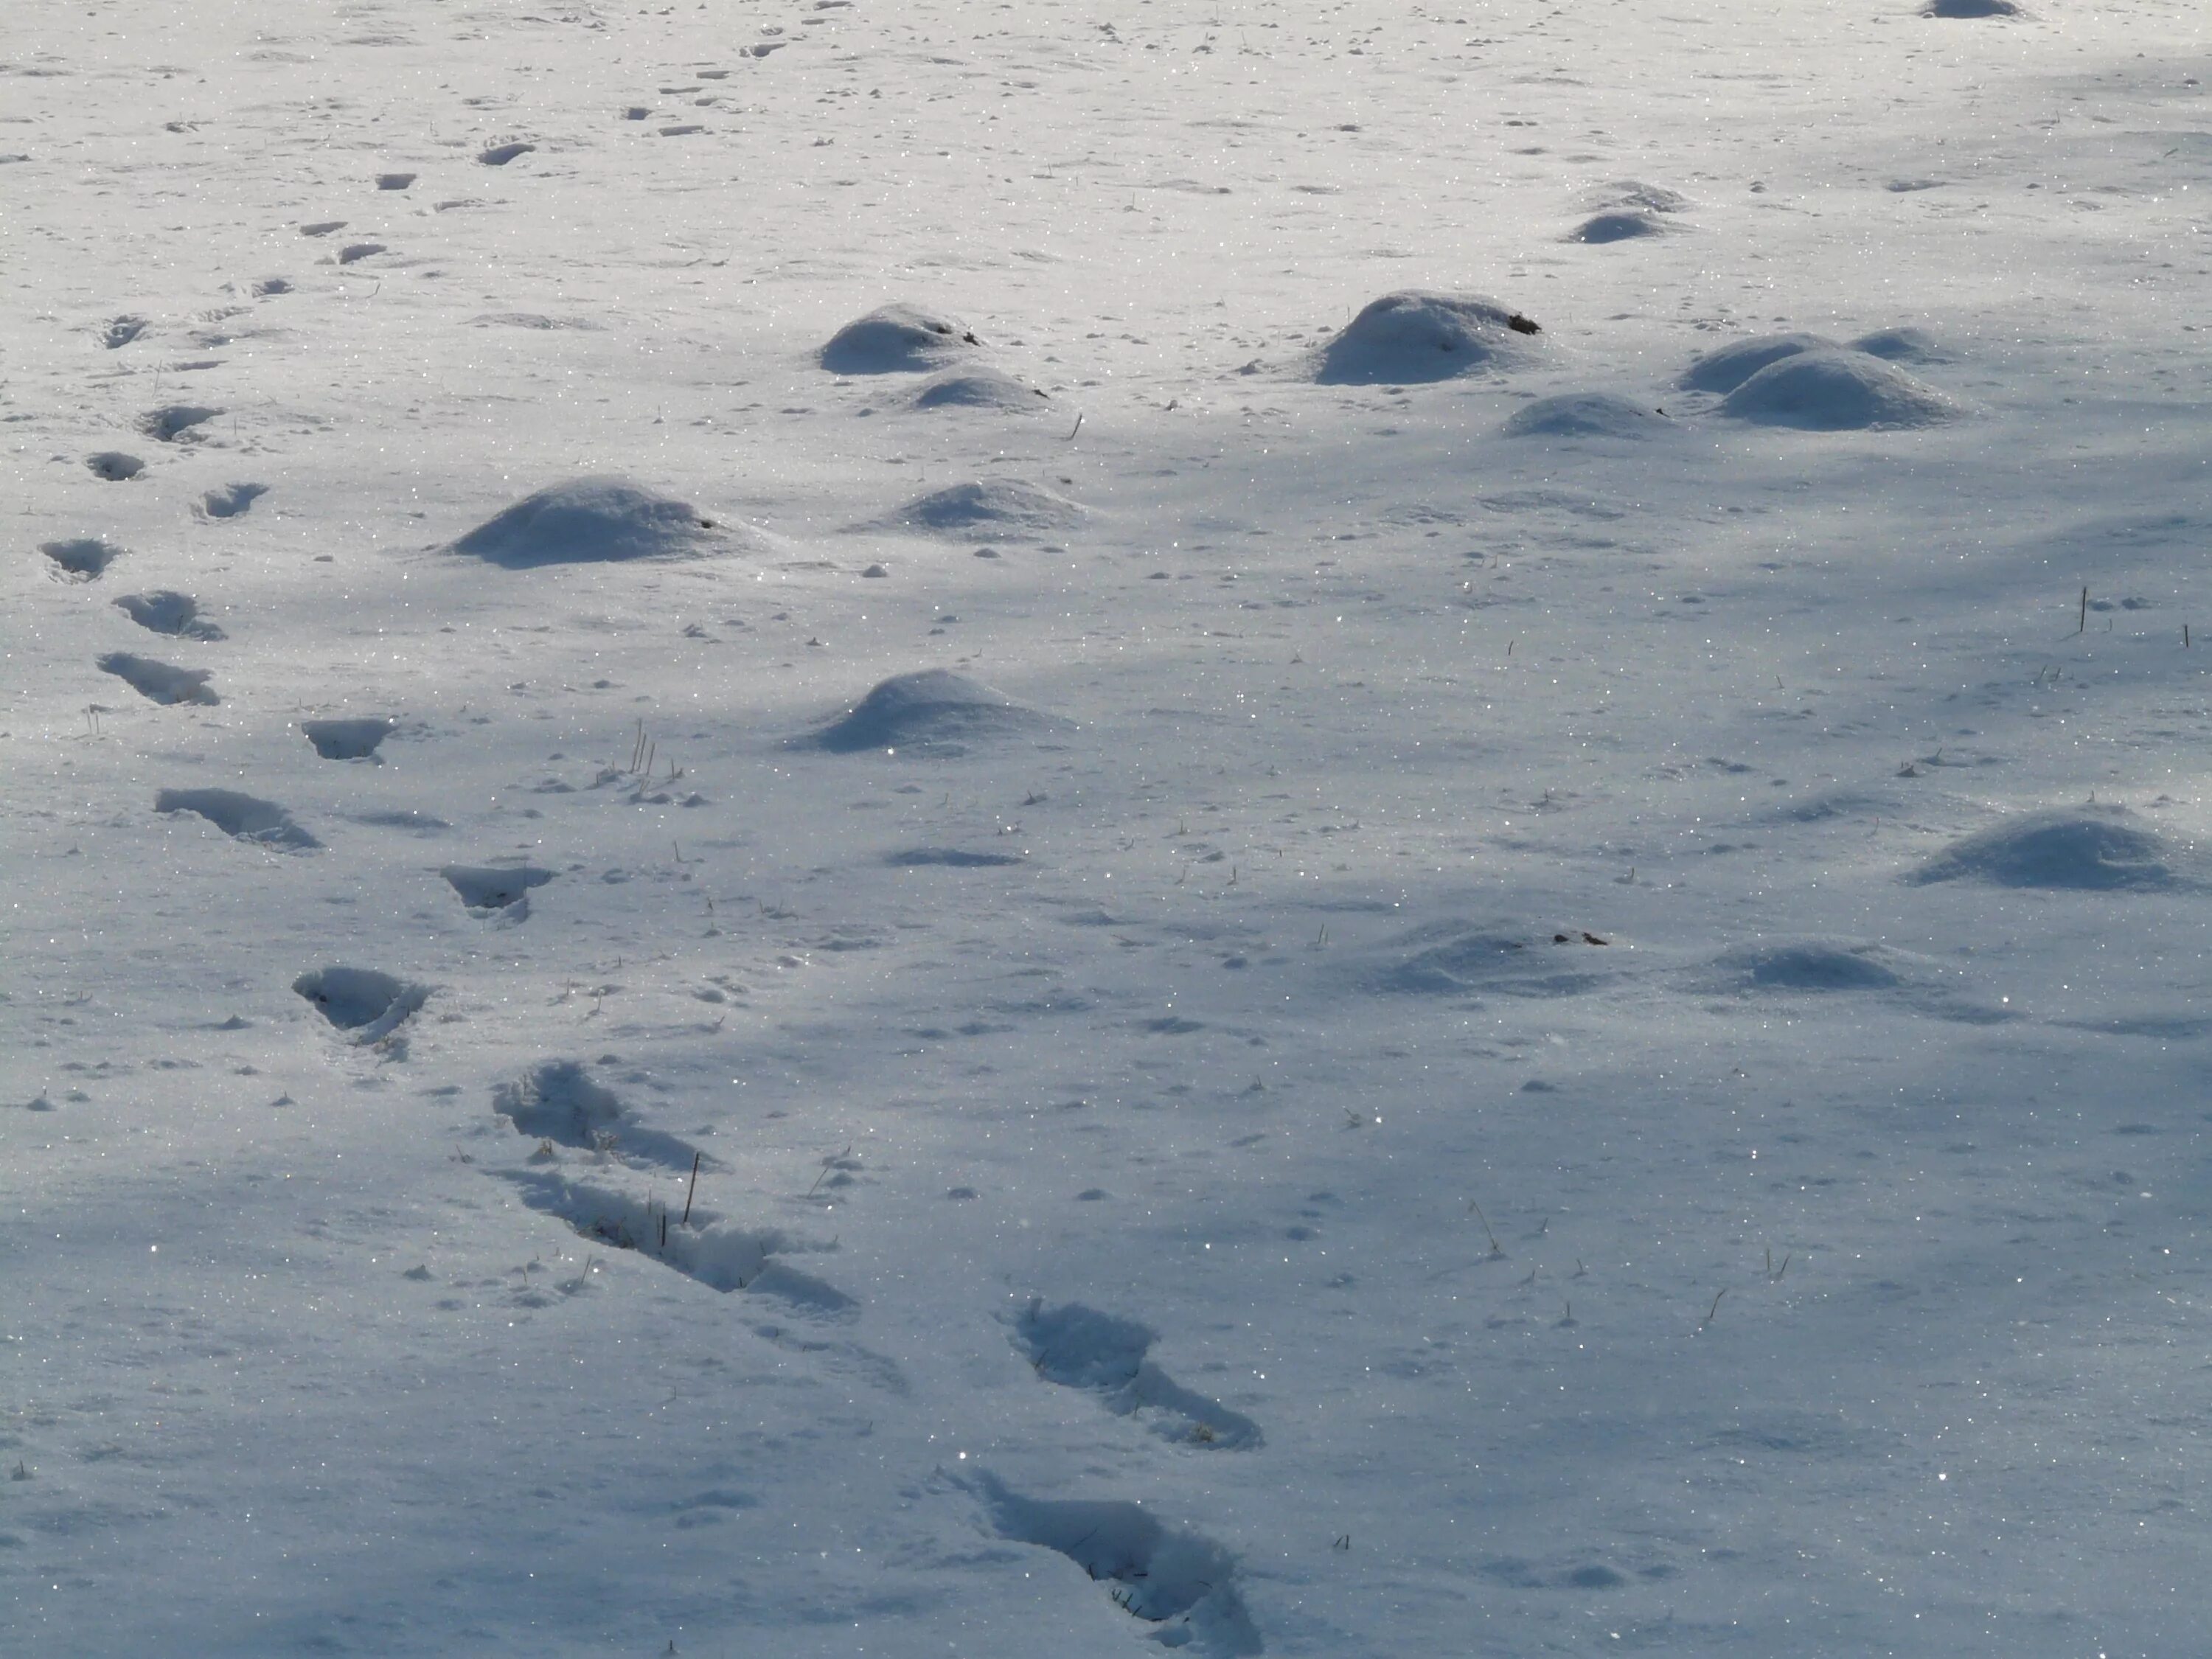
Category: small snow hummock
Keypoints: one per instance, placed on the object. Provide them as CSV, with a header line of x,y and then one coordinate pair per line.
x,y
895,339
587,520
1837,391
2095,849
1415,335
1585,415
934,712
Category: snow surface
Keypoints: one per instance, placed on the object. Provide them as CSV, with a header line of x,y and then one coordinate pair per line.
x,y
1431,1015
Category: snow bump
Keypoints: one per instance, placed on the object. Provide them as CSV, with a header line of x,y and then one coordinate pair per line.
x,y
2089,848
1417,335
897,339
590,520
1837,391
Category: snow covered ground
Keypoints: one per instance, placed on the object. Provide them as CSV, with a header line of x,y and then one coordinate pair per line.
x,y
1424,873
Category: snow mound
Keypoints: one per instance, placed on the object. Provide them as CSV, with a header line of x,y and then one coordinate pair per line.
x,y
1808,965
1463,959
364,1004
1900,345
589,520
248,817
1634,193
1971,8
975,388
1415,335
1585,415
2095,849
934,712
1726,369
1002,506
897,339
1836,392
1619,225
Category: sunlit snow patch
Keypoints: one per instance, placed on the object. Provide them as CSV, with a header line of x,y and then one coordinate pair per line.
x,y
591,520
2099,848
1416,334
1585,415
934,713
365,1005
897,339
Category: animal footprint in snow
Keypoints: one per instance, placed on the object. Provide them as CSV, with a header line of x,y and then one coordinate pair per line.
x,y
166,611
246,816
119,331
231,501
177,422
348,740
366,1006
1080,1347
80,561
720,1257
558,1102
497,892
113,465
160,682
1184,1584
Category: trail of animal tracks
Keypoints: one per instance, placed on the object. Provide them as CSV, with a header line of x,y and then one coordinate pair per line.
x,y
913,829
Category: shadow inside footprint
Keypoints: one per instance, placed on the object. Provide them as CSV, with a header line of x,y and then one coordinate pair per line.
x,y
353,739
160,682
1080,1347
166,611
81,559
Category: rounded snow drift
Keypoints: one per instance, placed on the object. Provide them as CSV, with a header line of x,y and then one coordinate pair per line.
x,y
1899,345
2096,848
935,712
1002,506
1726,369
1416,334
1837,391
1808,965
1585,415
895,339
589,520
1618,225
984,388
